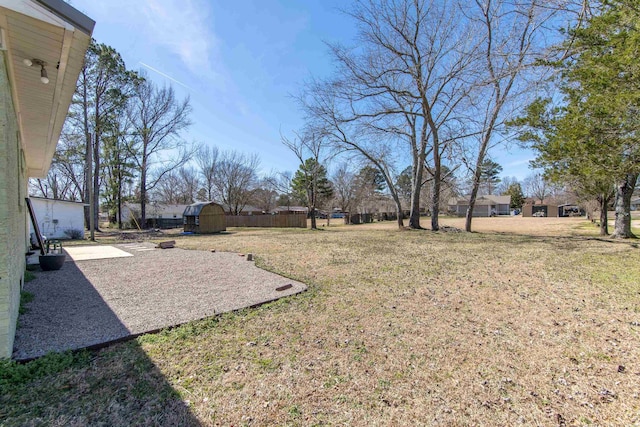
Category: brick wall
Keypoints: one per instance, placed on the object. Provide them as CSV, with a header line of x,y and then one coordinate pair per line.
x,y
13,211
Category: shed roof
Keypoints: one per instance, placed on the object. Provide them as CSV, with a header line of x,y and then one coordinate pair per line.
x,y
195,208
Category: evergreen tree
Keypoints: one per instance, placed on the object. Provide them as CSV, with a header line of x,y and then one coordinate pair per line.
x,y
517,197
590,141
489,174
310,184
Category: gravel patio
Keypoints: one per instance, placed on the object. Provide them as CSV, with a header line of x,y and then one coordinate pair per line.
x,y
92,302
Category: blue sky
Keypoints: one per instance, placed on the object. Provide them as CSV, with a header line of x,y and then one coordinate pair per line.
x,y
239,62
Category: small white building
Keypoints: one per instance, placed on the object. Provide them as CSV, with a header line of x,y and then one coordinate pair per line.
x,y
55,217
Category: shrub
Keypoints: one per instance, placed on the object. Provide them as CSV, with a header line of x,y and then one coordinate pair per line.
x,y
74,233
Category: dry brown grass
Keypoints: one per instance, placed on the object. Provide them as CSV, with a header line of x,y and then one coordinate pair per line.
x,y
410,328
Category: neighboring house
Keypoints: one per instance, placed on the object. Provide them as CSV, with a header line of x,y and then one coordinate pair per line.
x,y
158,214
485,206
42,48
635,204
291,210
57,216
246,210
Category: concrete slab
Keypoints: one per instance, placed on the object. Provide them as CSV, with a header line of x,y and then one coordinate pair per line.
x,y
84,253
94,302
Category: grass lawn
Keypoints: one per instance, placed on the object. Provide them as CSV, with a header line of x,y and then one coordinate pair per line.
x,y
529,321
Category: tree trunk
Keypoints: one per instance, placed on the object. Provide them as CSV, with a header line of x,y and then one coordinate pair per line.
x,y
143,186
472,204
119,199
416,186
624,191
396,199
312,214
474,190
96,182
87,150
143,204
87,180
603,200
435,195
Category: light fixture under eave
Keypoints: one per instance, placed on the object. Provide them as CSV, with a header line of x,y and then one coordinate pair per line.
x,y
44,78
43,75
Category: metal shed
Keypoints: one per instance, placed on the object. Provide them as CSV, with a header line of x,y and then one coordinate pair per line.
x,y
204,217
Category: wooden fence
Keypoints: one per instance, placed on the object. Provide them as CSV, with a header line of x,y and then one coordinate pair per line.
x,y
283,221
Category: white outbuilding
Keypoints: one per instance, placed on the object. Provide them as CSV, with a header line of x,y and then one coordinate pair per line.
x,y
59,219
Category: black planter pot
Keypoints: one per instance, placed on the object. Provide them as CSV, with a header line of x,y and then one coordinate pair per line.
x,y
51,262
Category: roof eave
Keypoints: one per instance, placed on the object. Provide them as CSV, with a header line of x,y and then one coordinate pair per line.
x,y
71,15
42,109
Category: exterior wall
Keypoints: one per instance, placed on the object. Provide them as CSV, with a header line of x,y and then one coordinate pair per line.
x,y
13,215
503,210
56,216
549,210
212,219
480,210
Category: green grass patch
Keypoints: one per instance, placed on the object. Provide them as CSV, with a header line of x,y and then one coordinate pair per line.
x,y
25,298
28,275
14,374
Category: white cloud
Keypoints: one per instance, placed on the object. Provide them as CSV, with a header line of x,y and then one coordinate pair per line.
x,y
183,27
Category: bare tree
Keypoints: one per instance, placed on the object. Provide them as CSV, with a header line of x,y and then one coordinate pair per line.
x,y
178,187
353,138
168,188
207,160
308,147
236,179
280,182
505,183
537,186
157,119
513,37
101,93
401,87
345,190
265,195
190,184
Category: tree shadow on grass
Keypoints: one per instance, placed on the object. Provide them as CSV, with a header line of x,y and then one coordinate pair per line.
x,y
116,385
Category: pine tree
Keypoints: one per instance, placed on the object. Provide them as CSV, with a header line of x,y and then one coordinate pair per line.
x,y
310,184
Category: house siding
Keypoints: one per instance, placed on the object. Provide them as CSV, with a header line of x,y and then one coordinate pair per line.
x,y
13,215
